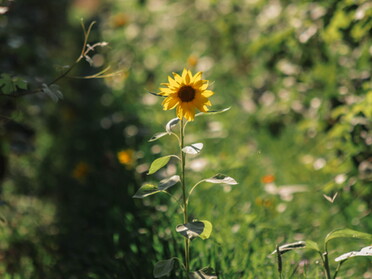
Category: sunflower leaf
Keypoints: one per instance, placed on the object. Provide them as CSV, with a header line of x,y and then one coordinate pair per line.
x,y
347,233
155,94
158,136
196,228
290,246
158,164
173,122
312,245
146,190
169,182
212,112
221,178
194,148
366,251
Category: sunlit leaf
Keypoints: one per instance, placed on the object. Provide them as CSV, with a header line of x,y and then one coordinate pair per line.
x,y
312,245
146,190
150,189
347,233
221,178
173,122
290,246
212,112
163,268
158,164
169,182
158,136
193,149
204,273
366,251
200,228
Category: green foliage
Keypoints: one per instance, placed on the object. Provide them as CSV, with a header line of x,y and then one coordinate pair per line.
x,y
297,77
10,84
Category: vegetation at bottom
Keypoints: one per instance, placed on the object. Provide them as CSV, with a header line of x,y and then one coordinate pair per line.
x,y
76,118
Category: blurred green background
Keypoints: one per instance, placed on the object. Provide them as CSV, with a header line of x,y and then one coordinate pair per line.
x,y
297,76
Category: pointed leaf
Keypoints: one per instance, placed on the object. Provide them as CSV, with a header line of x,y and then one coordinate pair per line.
x,y
169,182
212,112
348,233
366,251
221,178
158,136
155,94
158,164
312,245
194,148
163,268
146,190
290,246
204,273
173,122
195,229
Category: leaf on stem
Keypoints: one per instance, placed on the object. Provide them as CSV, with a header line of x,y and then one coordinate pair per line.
x,y
158,136
366,251
173,122
163,268
193,149
204,273
158,164
150,189
169,182
347,233
212,112
290,246
312,245
221,178
146,190
52,92
196,228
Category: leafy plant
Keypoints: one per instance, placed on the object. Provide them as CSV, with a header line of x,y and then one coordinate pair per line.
x,y
323,253
190,229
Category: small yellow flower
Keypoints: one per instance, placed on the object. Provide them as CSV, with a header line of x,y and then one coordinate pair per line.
x,y
187,93
126,157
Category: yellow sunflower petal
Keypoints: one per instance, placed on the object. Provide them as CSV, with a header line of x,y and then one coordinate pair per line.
x,y
177,78
165,91
184,73
204,86
207,93
197,77
199,83
170,103
179,112
172,82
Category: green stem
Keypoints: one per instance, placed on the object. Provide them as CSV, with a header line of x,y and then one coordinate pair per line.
x,y
183,185
326,265
338,269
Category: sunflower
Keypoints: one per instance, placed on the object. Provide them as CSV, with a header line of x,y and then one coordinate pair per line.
x,y
187,93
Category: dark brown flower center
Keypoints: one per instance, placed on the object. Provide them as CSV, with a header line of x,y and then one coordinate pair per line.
x,y
186,93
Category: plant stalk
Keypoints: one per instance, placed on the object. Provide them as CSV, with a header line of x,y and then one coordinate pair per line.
x,y
326,265
183,185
